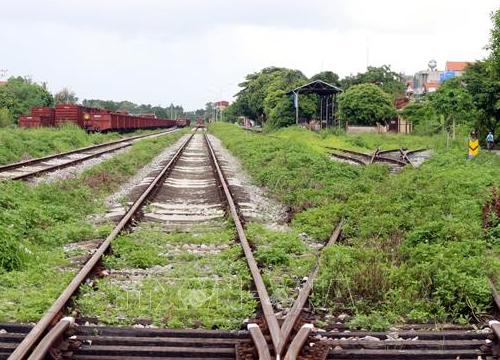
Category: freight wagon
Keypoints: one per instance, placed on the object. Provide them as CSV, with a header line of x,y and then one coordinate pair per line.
x,y
29,122
183,123
45,114
76,114
117,121
93,119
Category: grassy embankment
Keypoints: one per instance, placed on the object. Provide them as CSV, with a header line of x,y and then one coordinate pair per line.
x,y
22,144
36,221
413,249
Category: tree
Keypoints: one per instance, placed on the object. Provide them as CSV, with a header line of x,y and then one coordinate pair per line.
x,y
5,117
454,103
65,96
388,80
494,44
482,81
20,94
327,76
279,108
423,116
366,104
263,97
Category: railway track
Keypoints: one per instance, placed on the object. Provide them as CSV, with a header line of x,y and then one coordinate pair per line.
x,y
192,180
35,167
39,335
395,158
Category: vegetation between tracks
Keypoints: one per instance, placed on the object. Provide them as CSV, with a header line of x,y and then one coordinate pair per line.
x,y
22,144
170,281
413,249
36,221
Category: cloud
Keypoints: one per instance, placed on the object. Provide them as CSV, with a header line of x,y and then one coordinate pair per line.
x,y
194,51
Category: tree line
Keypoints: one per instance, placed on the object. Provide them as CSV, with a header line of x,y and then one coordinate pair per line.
x,y
20,94
469,101
263,94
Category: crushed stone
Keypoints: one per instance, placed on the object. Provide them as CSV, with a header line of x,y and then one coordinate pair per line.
x,y
253,202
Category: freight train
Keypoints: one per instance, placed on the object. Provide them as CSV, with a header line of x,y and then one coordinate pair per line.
x,y
94,120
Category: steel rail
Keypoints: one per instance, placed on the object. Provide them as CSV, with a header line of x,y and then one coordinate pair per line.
x,y
375,154
415,151
404,155
368,156
55,333
300,301
392,161
259,341
388,151
83,149
57,306
298,342
350,158
65,164
265,300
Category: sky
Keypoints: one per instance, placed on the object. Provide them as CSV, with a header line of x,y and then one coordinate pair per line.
x,y
190,52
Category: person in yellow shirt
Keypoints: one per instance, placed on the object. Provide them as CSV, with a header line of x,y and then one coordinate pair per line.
x,y
473,145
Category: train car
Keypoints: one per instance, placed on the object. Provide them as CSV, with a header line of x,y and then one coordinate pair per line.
x,y
107,121
183,123
200,122
46,115
29,122
72,113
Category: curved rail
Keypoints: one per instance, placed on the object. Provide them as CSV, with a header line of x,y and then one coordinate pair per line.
x,y
122,143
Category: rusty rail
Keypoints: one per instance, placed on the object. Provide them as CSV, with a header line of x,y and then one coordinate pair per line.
x,y
57,307
300,301
125,143
55,333
265,300
377,155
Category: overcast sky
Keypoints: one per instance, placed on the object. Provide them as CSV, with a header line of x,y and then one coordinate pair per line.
x,y
193,51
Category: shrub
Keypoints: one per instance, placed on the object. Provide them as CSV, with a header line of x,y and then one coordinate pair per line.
x,y
366,104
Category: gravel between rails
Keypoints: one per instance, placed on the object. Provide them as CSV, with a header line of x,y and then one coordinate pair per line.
x,y
252,199
115,200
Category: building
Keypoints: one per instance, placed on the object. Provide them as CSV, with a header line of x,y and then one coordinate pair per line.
x,y
429,80
221,105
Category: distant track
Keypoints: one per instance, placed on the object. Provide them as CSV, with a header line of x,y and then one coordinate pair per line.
x,y
34,167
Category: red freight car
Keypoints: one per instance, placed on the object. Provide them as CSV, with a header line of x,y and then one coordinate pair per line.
x,y
76,114
200,122
117,121
183,122
46,115
29,122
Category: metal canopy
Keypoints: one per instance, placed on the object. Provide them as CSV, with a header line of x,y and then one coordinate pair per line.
x,y
318,87
328,98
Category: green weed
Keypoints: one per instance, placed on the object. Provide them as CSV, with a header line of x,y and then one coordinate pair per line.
x,y
413,246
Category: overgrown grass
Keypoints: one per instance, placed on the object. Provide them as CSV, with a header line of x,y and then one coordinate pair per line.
x,y
20,144
413,247
177,287
36,221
